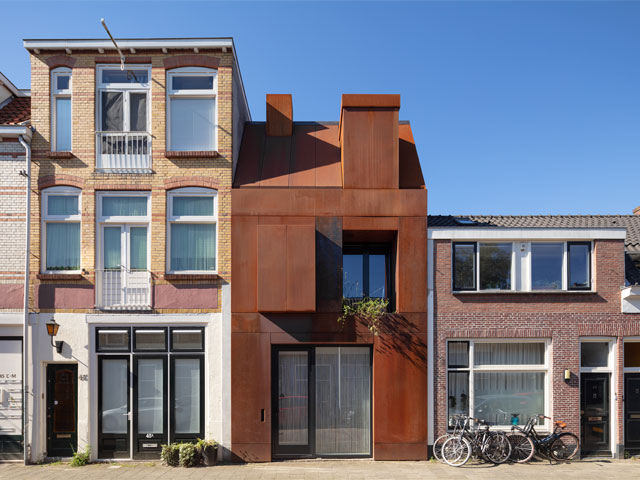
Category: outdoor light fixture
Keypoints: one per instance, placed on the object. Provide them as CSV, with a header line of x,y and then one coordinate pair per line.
x,y
567,374
52,330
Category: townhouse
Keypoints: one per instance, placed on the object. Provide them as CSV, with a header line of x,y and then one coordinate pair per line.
x,y
129,325
534,315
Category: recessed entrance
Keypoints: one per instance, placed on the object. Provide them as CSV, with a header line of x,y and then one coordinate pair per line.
x,y
62,410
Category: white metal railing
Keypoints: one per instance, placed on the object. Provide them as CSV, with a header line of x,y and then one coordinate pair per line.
x,y
123,289
123,151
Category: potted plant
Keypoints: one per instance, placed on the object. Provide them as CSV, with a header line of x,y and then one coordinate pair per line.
x,y
209,451
170,454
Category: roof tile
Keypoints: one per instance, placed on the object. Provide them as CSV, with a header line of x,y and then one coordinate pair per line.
x,y
16,112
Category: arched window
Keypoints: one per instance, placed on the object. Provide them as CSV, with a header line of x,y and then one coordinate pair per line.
x,y
61,214
61,109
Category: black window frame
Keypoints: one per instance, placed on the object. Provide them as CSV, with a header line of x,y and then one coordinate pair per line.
x,y
180,350
191,436
366,249
102,329
589,275
144,350
475,266
468,353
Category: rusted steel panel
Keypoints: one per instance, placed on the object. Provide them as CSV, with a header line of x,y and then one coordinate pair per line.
x,y
244,263
272,268
328,166
370,223
279,114
410,171
275,166
370,100
329,264
411,281
303,158
282,220
250,158
400,451
301,271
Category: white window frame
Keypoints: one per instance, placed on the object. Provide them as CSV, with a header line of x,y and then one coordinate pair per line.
x,y
471,369
203,93
46,218
630,369
610,356
171,219
126,89
55,95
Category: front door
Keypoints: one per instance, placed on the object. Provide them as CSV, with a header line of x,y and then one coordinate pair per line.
x,y
150,400
632,412
62,409
113,405
595,411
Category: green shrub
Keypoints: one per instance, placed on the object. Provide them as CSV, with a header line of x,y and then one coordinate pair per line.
x,y
188,455
368,310
170,454
80,459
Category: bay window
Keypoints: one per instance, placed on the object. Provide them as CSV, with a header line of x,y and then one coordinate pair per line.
x,y
61,110
61,230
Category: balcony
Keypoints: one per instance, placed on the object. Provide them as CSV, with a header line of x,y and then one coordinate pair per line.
x,y
123,289
123,152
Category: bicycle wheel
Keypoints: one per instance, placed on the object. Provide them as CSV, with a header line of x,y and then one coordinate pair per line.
x,y
437,447
497,449
565,447
522,447
456,451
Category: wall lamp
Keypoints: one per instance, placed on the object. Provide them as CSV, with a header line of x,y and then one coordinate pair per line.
x,y
52,330
567,374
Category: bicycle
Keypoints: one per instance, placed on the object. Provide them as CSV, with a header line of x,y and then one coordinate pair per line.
x,y
492,446
557,446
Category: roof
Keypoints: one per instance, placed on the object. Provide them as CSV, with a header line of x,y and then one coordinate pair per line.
x,y
630,222
18,92
142,43
16,112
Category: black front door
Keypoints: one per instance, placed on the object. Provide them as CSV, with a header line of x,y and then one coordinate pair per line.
x,y
62,410
632,412
113,405
595,411
150,405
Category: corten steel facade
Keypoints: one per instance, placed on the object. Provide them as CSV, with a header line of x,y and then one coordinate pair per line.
x,y
303,191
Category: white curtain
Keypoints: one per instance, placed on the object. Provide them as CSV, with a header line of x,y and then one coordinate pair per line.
x,y
137,112
62,205
114,395
192,123
193,246
150,395
458,385
112,248
458,354
187,395
63,124
508,353
63,246
124,206
293,398
192,206
138,248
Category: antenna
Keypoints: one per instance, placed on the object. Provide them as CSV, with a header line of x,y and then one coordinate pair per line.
x,y
122,58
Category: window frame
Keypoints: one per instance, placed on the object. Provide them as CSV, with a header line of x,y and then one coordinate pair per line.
x,y
367,249
589,263
55,95
117,329
172,348
475,266
145,329
198,94
611,356
190,219
46,218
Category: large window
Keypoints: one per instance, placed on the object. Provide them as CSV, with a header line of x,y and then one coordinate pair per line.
x,y
365,271
61,110
497,381
123,99
192,109
192,223
61,230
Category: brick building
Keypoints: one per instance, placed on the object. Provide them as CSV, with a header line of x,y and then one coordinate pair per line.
x,y
533,315
130,243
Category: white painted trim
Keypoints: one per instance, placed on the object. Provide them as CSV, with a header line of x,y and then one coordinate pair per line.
x,y
124,43
55,95
46,218
478,233
11,131
11,318
126,319
8,84
431,345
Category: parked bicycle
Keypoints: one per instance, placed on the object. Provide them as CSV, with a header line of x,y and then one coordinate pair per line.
x,y
482,442
558,446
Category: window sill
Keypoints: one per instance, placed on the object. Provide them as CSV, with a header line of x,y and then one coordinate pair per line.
x,y
60,276
60,155
523,292
191,154
191,276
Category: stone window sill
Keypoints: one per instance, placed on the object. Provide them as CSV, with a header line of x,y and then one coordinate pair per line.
x,y
191,154
60,155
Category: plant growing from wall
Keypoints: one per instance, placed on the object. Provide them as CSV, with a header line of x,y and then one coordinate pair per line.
x,y
368,310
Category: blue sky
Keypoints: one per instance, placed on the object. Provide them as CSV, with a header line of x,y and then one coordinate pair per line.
x,y
516,107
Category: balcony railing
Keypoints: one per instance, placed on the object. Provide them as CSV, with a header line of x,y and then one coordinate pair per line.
x,y
123,289
123,152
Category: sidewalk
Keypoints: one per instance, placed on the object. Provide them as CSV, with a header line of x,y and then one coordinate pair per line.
x,y
328,469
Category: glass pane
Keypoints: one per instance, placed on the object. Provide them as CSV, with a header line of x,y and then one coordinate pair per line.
x,y
498,396
112,248
594,354
62,82
115,374
458,393
63,246
458,354
186,340
377,276
187,395
150,395
150,339
343,400
353,276
464,276
293,398
63,124
192,82
632,354
495,266
11,361
138,112
113,340
546,266
62,205
112,111
64,407
579,274
197,206
126,76
192,124
138,253
193,246
508,353
124,206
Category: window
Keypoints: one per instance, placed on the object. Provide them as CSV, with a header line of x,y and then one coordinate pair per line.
x,y
123,100
192,109
500,382
113,339
61,110
61,230
464,266
594,354
365,271
192,222
187,339
579,265
495,266
150,340
546,266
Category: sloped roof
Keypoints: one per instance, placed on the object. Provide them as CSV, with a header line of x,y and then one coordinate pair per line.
x,y
16,112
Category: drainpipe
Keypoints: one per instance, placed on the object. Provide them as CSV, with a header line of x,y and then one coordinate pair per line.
x,y
25,326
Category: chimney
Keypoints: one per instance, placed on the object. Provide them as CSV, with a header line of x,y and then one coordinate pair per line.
x,y
279,115
636,211
369,142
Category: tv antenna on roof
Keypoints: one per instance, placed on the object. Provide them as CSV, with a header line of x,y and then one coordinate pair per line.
x,y
122,58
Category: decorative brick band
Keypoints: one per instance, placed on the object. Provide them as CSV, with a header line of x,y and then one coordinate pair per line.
x,y
191,61
180,182
60,180
498,333
191,154
60,61
127,60
60,155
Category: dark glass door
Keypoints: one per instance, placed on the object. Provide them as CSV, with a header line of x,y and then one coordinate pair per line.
x,y
632,412
150,405
595,411
114,407
62,411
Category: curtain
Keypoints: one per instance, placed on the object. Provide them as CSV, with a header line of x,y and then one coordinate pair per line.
x,y
500,395
138,112
508,353
112,112
343,400
458,385
112,248
293,398
458,354
62,205
193,246
192,206
124,206
150,395
192,123
138,248
192,82
63,124
114,395
63,246
186,409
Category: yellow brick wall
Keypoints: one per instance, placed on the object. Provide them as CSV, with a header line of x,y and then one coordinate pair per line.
x,y
83,163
